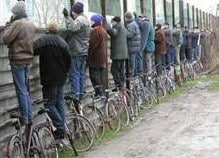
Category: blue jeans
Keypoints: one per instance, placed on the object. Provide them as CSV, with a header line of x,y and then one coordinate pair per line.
x,y
139,63
148,61
77,76
21,81
56,105
171,55
132,63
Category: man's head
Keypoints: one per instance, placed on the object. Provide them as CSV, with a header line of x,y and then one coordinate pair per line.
x,y
178,25
166,25
129,16
158,26
77,8
53,27
19,8
96,19
116,20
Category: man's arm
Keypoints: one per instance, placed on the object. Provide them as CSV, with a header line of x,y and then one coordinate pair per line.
x,y
11,32
74,25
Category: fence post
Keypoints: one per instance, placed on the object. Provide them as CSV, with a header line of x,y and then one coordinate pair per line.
x,y
165,10
154,12
173,12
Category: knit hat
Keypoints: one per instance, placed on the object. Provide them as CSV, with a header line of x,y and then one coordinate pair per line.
x,y
129,16
166,23
53,27
78,7
97,18
116,19
19,8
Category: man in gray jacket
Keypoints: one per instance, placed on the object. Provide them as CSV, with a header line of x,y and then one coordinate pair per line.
x,y
133,41
119,52
78,39
19,37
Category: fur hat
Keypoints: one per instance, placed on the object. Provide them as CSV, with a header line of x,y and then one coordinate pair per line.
x,y
116,19
78,7
129,16
53,27
19,8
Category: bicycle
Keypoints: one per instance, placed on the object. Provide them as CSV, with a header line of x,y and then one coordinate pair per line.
x,y
24,144
80,126
108,114
46,134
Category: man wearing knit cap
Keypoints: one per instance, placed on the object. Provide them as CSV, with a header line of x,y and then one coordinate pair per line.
x,y
119,52
55,62
78,36
19,37
133,41
97,54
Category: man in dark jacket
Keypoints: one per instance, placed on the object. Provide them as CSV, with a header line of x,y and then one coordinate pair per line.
x,y
133,41
144,26
55,62
19,37
169,44
119,52
78,39
160,48
97,54
188,44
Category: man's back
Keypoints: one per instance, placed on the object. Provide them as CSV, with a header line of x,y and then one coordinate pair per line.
x,y
20,38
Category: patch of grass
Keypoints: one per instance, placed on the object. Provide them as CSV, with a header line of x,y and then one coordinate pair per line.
x,y
67,154
109,135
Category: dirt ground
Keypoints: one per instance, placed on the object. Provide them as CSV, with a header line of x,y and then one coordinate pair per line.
x,y
185,127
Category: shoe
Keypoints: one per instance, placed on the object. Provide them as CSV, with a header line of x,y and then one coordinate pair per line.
x,y
59,134
115,90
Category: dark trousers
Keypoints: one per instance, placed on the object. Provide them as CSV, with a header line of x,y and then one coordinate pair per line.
x,y
97,76
56,105
118,72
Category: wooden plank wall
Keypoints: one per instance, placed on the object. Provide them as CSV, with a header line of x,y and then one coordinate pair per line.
x,y
8,100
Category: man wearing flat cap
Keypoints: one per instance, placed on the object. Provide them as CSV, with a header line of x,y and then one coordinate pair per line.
x,y
78,39
55,62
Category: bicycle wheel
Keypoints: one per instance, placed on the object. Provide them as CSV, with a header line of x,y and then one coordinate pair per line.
x,y
82,130
15,147
130,104
48,143
36,149
123,112
96,117
112,116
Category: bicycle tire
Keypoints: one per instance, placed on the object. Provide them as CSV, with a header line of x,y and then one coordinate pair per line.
x,y
15,147
83,132
112,116
48,143
96,117
123,112
130,104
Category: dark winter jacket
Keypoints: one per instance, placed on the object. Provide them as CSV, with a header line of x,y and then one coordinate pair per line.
x,y
97,54
118,42
177,37
20,38
133,36
150,47
188,39
168,36
78,34
144,26
160,42
194,39
55,59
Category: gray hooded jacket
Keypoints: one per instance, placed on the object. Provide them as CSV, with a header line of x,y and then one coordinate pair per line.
x,y
133,34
